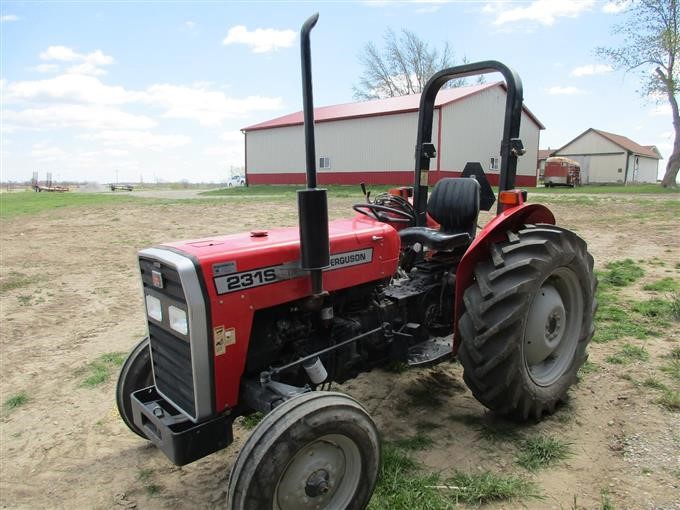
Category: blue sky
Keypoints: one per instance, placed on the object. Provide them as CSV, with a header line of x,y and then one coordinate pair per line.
x,y
160,90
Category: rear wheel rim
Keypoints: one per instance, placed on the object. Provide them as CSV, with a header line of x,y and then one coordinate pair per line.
x,y
323,474
553,327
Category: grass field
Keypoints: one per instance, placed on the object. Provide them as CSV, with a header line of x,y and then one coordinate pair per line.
x,y
29,202
633,189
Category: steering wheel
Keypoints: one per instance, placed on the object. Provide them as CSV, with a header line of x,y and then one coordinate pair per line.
x,y
380,213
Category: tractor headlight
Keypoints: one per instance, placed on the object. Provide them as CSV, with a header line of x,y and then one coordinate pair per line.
x,y
178,320
153,308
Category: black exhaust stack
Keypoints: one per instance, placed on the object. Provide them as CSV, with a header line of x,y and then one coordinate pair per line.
x,y
312,202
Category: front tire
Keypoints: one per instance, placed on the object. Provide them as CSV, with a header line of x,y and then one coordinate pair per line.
x,y
135,374
528,320
319,450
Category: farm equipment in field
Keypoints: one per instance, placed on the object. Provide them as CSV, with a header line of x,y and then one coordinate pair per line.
x,y
121,187
48,186
264,320
49,189
561,171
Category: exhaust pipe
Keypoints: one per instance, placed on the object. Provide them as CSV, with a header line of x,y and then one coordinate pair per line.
x,y
312,202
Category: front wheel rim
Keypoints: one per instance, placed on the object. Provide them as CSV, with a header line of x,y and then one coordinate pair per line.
x,y
553,327
323,474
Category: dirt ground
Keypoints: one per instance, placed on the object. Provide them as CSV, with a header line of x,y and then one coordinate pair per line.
x,y
72,294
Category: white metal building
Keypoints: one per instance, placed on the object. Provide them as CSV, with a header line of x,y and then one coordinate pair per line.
x,y
374,141
608,158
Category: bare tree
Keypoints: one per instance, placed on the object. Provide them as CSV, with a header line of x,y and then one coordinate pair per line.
x,y
652,46
402,67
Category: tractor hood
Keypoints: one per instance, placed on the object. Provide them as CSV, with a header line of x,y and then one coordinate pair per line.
x,y
354,242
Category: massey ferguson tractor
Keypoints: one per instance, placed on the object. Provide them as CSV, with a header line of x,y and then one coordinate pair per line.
x,y
266,320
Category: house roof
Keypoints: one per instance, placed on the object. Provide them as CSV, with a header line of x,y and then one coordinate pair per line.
x,y
622,141
655,149
544,153
388,106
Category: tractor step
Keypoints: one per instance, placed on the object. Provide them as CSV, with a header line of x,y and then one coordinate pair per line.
x,y
430,351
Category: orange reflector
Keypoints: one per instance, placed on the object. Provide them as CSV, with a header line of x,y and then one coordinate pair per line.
x,y
509,197
403,191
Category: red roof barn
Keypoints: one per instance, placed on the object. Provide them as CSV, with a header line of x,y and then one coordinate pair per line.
x,y
373,141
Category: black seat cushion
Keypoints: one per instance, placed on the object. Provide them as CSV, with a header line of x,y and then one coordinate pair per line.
x,y
433,239
454,204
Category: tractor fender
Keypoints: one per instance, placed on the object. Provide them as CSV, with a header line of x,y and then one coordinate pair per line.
x,y
511,219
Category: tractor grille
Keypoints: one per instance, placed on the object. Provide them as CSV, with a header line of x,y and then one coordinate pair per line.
x,y
170,350
172,368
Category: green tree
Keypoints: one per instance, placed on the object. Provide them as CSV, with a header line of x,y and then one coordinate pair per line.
x,y
651,45
401,67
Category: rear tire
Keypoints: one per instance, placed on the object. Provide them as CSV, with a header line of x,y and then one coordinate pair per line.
x,y
319,450
135,374
528,320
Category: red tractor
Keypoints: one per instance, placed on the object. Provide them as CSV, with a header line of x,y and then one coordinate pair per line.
x,y
266,320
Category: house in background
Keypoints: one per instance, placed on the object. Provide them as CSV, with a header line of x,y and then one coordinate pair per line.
x,y
607,158
374,141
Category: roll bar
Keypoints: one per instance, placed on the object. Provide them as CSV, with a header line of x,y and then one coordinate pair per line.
x,y
511,145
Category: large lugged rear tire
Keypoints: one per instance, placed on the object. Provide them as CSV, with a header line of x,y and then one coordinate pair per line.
x,y
528,320
135,374
319,450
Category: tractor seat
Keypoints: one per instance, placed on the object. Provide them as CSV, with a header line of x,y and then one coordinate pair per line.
x,y
454,204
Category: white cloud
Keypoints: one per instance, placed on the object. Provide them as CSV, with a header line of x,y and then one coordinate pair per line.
x,y
221,150
60,53
564,91
377,3
86,63
139,139
591,70
429,6
208,107
46,154
8,17
616,7
226,154
545,12
190,25
76,116
114,153
86,68
432,5
261,40
98,58
198,102
73,88
232,136
45,68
